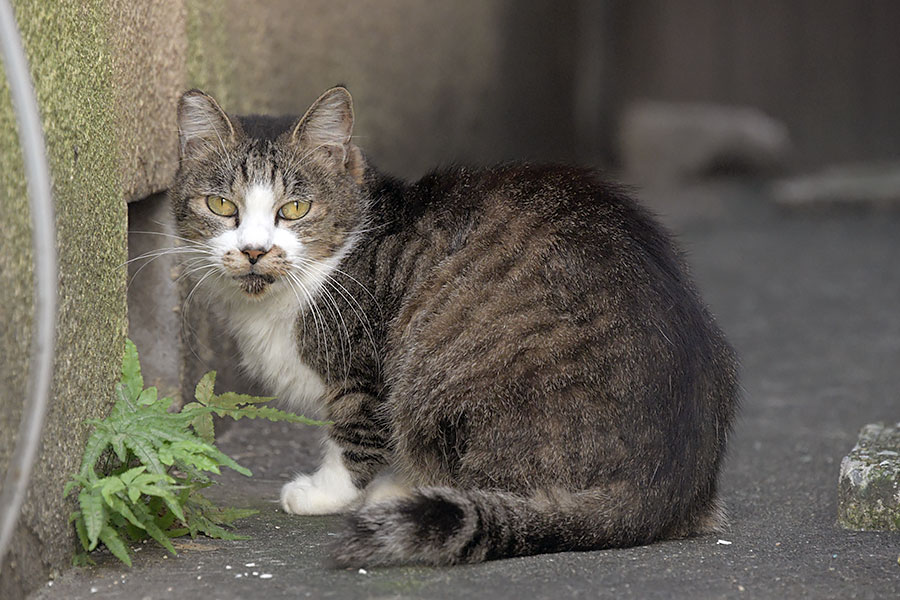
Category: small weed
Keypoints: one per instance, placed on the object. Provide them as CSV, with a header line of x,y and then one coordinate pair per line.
x,y
143,466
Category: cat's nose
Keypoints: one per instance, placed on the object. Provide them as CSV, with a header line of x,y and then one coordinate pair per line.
x,y
253,254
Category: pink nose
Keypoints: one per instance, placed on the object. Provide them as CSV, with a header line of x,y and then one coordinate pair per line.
x,y
253,254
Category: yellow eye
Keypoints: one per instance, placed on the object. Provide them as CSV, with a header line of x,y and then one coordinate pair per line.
x,y
221,206
294,210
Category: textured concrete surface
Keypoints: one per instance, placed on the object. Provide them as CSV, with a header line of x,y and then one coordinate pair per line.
x,y
66,46
870,480
149,50
809,302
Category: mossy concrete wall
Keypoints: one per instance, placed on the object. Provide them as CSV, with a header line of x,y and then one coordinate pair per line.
x,y
66,45
91,65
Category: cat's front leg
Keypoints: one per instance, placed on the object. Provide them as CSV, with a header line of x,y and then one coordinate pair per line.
x,y
356,450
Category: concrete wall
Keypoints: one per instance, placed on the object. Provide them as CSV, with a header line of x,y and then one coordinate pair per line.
x,y
68,49
107,76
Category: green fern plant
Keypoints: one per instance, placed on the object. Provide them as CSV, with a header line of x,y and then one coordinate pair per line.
x,y
143,466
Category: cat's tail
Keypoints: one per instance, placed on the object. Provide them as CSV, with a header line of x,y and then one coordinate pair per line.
x,y
445,526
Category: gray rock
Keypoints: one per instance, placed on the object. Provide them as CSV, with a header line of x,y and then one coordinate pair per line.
x,y
871,184
869,487
663,143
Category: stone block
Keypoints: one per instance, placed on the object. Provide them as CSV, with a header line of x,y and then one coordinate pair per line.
x,y
869,486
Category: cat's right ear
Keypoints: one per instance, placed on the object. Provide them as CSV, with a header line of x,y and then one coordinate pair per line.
x,y
202,125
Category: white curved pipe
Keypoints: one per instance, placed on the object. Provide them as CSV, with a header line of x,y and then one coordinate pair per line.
x,y
43,337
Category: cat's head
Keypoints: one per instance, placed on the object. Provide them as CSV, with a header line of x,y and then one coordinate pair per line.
x,y
267,203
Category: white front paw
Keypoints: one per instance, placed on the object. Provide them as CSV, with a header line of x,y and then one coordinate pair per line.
x,y
325,493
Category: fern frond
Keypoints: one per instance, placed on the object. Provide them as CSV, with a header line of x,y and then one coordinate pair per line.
x,y
114,544
93,513
143,466
132,379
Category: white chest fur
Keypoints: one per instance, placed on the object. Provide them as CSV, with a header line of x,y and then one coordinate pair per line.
x,y
265,333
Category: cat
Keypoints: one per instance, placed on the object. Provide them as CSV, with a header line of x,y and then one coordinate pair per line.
x,y
519,348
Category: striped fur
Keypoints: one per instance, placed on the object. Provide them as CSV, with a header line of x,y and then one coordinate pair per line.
x,y
521,345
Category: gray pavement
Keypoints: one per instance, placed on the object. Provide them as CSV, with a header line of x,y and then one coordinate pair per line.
x,y
811,300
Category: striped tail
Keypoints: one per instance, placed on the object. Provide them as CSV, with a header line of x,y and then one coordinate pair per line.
x,y
445,526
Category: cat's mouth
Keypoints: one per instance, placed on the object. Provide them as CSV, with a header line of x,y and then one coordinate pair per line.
x,y
254,283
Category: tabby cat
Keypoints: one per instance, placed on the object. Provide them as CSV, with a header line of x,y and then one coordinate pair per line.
x,y
514,358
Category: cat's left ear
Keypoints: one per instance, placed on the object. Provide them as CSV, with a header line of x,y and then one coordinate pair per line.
x,y
325,131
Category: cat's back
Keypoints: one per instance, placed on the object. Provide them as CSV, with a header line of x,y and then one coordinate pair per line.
x,y
568,224
573,206
529,191
521,249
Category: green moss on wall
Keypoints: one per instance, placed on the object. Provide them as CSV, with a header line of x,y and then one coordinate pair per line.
x,y
209,60
15,275
67,47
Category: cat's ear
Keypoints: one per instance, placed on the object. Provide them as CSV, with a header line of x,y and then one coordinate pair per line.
x,y
202,125
325,131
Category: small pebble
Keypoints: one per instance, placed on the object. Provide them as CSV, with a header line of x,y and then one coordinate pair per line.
x,y
363,572
255,573
227,567
93,590
724,542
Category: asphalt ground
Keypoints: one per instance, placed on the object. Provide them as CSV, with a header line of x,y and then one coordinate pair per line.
x,y
811,301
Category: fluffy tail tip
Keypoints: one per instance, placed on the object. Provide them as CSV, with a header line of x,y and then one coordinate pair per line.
x,y
427,527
